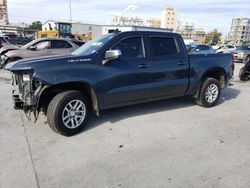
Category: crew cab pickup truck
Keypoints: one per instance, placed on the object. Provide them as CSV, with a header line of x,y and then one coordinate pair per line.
x,y
115,70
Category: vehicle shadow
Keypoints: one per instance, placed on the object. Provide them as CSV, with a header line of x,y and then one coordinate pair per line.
x,y
228,94
118,114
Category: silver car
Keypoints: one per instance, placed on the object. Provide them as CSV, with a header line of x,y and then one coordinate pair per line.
x,y
201,49
41,47
242,54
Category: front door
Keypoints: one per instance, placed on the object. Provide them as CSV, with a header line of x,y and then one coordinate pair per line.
x,y
129,77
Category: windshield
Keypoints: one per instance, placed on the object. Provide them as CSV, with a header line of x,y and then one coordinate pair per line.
x,y
243,48
26,46
65,28
92,46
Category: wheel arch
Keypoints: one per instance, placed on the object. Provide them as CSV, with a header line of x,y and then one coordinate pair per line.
x,y
217,73
50,92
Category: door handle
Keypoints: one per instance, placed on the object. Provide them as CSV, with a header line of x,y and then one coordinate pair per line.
x,y
143,66
182,63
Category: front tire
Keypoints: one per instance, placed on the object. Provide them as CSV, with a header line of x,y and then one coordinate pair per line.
x,y
68,113
209,93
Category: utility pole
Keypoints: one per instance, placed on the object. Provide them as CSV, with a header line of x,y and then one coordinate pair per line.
x,y
70,14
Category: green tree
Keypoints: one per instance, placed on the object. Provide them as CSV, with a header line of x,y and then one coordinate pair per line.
x,y
37,25
213,37
33,27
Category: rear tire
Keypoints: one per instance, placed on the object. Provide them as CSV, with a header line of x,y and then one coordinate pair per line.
x,y
68,112
247,59
242,74
209,93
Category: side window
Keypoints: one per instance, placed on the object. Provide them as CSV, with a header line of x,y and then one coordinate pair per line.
x,y
163,46
79,43
57,44
42,45
130,48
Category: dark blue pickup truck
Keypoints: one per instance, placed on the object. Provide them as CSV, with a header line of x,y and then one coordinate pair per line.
x,y
115,70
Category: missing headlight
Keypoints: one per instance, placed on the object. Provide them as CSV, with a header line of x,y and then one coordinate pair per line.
x,y
26,77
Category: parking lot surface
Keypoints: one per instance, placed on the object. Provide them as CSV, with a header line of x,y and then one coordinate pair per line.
x,y
170,143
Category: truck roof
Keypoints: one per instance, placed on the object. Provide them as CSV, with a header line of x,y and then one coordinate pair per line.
x,y
146,32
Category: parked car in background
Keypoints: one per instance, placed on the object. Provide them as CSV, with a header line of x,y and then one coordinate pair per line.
x,y
215,47
17,39
244,73
41,47
242,54
201,49
116,70
3,42
226,49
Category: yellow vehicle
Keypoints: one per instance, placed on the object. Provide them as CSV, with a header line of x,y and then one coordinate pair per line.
x,y
63,30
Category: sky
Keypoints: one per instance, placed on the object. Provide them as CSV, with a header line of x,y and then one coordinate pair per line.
x,y
208,14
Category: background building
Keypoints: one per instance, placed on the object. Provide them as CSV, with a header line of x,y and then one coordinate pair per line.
x,y
239,31
169,18
4,20
199,35
189,31
154,22
77,28
122,20
122,28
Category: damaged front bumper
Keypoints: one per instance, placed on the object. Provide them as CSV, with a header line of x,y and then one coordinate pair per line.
x,y
3,60
26,93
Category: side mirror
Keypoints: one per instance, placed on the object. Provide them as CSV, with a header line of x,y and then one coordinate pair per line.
x,y
33,48
111,55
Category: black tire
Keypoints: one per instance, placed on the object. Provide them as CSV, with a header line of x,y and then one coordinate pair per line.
x,y
56,110
242,73
201,100
247,59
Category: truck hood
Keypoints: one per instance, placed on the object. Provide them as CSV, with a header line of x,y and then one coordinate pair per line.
x,y
27,64
47,63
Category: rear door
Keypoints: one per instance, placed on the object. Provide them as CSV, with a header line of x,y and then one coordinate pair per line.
x,y
170,66
129,80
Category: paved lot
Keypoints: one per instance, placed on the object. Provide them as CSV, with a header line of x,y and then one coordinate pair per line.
x,y
171,143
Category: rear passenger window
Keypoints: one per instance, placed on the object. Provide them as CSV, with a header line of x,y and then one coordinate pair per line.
x,y
163,46
57,44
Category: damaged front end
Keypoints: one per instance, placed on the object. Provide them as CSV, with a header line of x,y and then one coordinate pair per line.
x,y
26,93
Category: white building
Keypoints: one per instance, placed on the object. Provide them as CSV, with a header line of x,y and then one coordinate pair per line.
x,y
240,30
4,20
169,18
77,28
